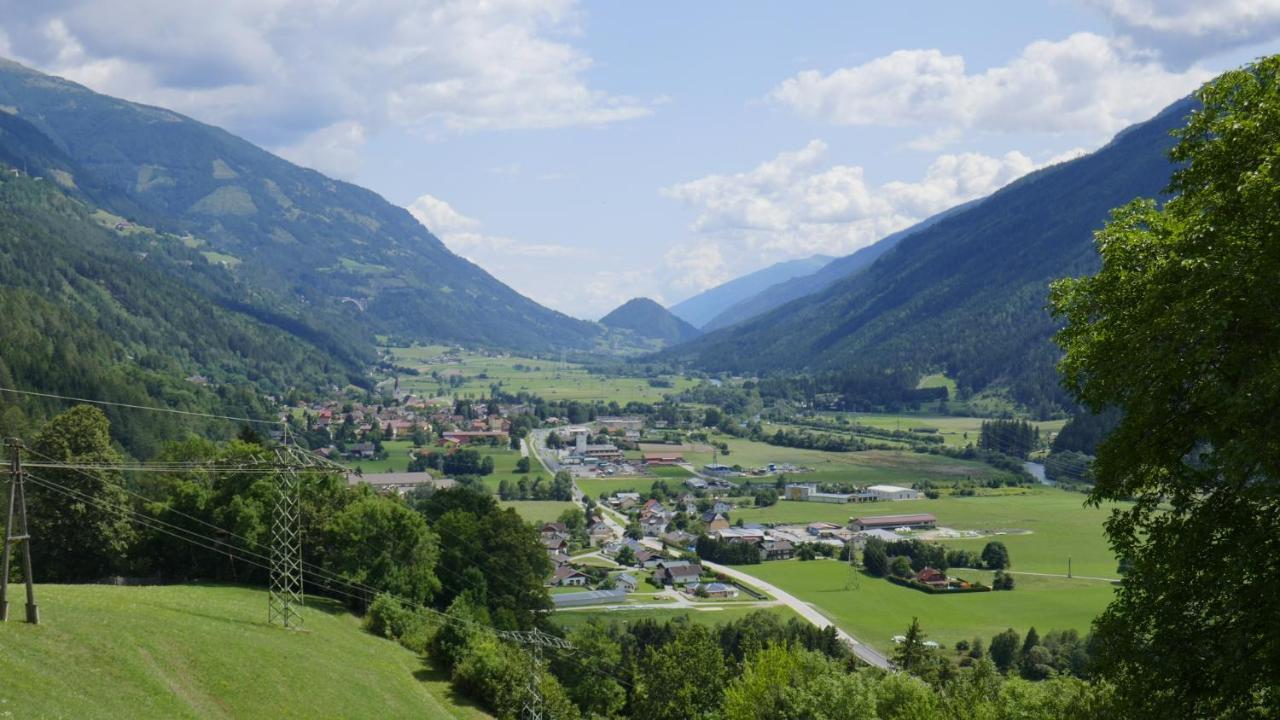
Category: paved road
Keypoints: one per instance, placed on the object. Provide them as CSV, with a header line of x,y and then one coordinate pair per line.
x,y
1069,577
866,653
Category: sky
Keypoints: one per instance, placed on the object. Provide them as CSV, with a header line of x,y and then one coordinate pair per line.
x,y
588,152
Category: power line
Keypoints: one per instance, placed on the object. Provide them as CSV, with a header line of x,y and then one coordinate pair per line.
x,y
142,407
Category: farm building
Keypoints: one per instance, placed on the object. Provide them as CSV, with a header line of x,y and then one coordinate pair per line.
x,y
889,522
893,492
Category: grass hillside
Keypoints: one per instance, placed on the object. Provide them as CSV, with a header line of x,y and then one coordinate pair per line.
x,y
194,651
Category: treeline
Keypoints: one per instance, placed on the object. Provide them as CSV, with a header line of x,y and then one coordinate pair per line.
x,y
878,557
560,488
463,461
726,552
1016,438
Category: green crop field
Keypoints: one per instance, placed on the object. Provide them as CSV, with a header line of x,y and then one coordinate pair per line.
x,y
874,610
863,468
193,651
955,431
547,378
538,511
1059,524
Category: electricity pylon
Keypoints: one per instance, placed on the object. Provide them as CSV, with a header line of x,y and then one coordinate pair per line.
x,y
535,640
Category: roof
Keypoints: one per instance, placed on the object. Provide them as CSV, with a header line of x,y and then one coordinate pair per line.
x,y
565,571
684,570
887,488
627,577
916,519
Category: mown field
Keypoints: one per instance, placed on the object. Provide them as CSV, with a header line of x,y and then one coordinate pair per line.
x,y
1060,526
955,431
193,651
863,468
538,511
874,610
547,378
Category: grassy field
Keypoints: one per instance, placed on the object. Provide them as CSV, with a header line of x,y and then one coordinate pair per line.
x,y
547,378
874,610
864,468
955,431
594,486
205,652
538,511
575,617
1060,526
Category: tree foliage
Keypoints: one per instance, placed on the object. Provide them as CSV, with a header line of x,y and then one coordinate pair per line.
x,y
1178,331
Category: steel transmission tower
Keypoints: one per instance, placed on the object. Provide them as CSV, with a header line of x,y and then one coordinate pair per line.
x,y
285,598
535,640
16,532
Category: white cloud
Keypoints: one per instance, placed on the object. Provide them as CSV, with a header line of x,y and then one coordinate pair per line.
x,y
333,150
462,234
1084,83
799,204
284,69
1184,30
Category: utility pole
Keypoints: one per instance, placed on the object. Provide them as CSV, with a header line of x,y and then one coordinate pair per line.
x,y
1068,566
285,596
17,532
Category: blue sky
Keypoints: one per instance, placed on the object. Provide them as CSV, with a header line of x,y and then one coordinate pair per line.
x,y
586,153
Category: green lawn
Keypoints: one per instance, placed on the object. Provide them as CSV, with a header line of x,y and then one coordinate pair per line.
x,y
397,459
538,511
864,468
874,610
547,378
194,651
1059,524
594,486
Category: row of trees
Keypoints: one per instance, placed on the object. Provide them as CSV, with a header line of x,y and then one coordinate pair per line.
x,y
879,557
463,461
560,488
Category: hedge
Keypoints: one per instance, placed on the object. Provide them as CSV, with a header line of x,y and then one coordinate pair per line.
x,y
922,587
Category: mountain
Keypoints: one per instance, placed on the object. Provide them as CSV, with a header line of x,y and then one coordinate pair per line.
x,y
704,306
785,291
649,320
303,241
966,295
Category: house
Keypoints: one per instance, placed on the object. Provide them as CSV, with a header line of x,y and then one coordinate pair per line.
x,y
466,437
721,506
678,539
742,534
821,529
715,521
932,577
627,581
647,559
558,558
554,529
695,483
654,525
566,576
776,550
677,575
714,590
892,492
363,450
555,544
400,483
600,531
889,522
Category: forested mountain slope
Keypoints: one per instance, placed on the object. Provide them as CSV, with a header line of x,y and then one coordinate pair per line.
x,y
968,294
781,293
701,308
290,233
648,319
130,314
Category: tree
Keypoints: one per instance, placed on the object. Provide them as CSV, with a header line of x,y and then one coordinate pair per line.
x,y
911,654
380,542
1178,331
682,679
626,556
1004,649
874,557
900,566
522,465
995,556
86,536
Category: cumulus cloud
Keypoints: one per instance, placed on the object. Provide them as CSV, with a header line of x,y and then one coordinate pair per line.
x,y
333,150
1085,83
799,204
285,69
1184,30
463,235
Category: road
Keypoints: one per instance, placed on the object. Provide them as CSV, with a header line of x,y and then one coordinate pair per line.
x,y
867,654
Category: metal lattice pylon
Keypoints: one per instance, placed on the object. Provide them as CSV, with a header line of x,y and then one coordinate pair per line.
x,y
285,598
535,640
16,532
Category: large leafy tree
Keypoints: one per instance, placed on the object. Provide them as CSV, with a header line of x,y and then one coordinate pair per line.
x,y
1180,330
86,534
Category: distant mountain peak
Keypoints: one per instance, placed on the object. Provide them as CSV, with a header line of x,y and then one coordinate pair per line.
x,y
647,319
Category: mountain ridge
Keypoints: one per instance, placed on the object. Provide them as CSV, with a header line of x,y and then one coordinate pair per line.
x,y
701,308
647,319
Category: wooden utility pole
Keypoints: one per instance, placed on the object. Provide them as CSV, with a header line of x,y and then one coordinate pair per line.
x,y
15,533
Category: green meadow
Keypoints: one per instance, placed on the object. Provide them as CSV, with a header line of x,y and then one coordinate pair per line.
x,y
538,511
548,378
192,651
874,610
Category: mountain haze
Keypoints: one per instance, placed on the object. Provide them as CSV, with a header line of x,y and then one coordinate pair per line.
x,y
648,319
704,306
309,242
783,292
966,295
